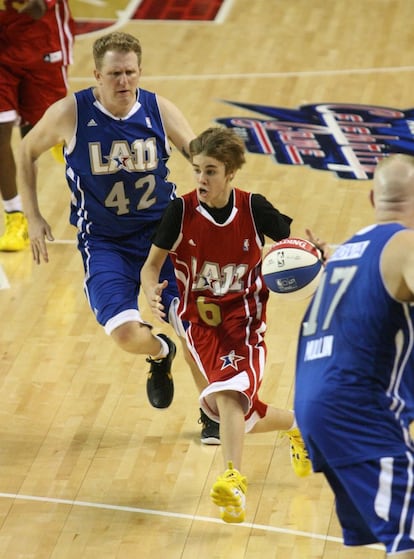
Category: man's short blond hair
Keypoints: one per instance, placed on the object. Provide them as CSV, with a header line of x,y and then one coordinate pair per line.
x,y
116,41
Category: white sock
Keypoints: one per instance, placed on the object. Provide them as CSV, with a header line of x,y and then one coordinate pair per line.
x,y
13,205
165,350
294,424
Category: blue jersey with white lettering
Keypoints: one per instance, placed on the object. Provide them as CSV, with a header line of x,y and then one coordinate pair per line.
x,y
116,168
355,380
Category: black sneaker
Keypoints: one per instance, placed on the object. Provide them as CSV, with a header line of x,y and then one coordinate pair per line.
x,y
210,432
160,384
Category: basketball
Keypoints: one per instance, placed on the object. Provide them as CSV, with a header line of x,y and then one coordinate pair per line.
x,y
292,268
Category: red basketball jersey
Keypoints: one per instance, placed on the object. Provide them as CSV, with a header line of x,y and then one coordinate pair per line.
x,y
25,41
218,266
223,296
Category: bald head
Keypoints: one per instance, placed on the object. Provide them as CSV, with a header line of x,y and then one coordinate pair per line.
x,y
394,186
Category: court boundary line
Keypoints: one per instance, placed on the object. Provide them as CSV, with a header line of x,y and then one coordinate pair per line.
x,y
177,515
4,280
265,75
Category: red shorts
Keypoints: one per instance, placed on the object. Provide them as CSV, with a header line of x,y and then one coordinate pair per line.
x,y
231,358
28,92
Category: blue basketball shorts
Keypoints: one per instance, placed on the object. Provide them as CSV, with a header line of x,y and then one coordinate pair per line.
x,y
375,501
112,277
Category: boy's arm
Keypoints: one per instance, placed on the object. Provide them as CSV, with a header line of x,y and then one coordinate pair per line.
x,y
150,276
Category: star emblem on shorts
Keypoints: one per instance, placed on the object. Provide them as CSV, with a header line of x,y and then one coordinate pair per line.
x,y
231,360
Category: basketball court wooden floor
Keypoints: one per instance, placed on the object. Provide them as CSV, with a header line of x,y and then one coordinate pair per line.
x,y
87,468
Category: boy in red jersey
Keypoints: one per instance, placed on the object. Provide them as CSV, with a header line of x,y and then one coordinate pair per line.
x,y
215,235
36,38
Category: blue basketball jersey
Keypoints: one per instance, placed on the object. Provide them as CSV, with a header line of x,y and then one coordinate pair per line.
x,y
116,168
355,380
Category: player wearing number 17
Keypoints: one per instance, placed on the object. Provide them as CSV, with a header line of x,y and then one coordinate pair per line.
x,y
354,395
116,145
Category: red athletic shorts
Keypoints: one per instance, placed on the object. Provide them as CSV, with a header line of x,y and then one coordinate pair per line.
x,y
232,357
28,91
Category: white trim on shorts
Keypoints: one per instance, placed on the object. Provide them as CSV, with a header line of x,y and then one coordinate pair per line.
x,y
174,320
9,116
130,315
238,383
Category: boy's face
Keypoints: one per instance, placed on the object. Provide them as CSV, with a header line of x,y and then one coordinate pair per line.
x,y
213,184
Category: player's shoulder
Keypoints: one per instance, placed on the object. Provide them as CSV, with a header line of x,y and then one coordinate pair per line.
x,y
175,208
260,204
259,200
167,108
63,108
145,96
163,101
401,240
87,94
397,264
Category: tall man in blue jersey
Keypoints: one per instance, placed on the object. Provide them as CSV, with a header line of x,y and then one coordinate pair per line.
x,y
355,378
116,145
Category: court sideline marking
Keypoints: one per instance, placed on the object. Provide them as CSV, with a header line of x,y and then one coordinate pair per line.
x,y
177,515
266,75
4,282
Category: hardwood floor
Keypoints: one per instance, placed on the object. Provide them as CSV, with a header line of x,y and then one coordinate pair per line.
x,y
87,468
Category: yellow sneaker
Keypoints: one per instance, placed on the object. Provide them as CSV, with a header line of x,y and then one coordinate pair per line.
x,y
299,458
16,233
229,493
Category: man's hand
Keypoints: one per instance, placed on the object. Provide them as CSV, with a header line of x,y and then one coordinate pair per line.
x,y
39,230
320,244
